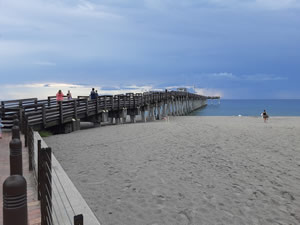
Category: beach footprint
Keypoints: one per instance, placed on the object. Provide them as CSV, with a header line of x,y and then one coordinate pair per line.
x,y
183,218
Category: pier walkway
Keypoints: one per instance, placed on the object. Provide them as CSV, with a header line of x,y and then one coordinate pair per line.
x,y
66,115
34,214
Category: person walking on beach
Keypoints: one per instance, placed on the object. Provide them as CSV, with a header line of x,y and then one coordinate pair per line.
x,y
93,94
59,96
1,125
265,116
69,95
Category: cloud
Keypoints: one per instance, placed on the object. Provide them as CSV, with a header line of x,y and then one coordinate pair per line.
x,y
262,77
43,90
209,92
256,4
251,77
223,75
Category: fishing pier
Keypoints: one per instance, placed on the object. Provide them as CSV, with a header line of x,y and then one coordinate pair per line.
x,y
65,116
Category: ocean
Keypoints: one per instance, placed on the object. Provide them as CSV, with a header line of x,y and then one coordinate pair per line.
x,y
226,107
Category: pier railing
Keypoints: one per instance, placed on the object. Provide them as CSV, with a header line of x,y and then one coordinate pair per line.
x,y
56,206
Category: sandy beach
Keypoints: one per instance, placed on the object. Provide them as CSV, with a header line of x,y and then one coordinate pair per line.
x,y
188,171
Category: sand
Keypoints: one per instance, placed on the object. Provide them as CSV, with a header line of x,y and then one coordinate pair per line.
x,y
191,170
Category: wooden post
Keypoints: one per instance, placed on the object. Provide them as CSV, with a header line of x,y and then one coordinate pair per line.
x,y
39,160
3,110
75,109
49,101
26,131
78,219
105,105
61,115
21,119
35,102
97,105
46,187
87,107
112,103
30,146
44,115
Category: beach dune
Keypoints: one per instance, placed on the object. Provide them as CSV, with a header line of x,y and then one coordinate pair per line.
x,y
188,171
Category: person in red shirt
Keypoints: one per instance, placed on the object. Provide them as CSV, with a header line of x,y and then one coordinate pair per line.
x,y
59,96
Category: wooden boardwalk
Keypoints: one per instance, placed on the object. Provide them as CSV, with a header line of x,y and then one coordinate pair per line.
x,y
34,215
46,113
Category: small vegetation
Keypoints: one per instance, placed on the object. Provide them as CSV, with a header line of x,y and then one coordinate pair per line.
x,y
45,133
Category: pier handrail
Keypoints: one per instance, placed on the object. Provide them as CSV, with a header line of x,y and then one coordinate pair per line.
x,y
59,197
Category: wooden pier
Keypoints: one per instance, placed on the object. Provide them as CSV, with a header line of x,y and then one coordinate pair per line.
x,y
66,115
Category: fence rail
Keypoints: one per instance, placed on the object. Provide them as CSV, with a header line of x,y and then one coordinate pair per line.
x,y
56,207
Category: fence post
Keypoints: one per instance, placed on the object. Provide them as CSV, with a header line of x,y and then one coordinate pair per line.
x,y
44,115
97,105
78,219
87,107
15,157
46,187
49,101
15,129
30,147
39,160
26,131
15,201
75,109
3,110
61,116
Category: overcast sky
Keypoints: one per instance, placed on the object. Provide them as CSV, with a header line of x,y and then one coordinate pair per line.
x,y
233,48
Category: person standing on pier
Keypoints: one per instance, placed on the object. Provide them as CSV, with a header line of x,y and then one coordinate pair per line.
x,y
59,96
1,125
69,95
93,94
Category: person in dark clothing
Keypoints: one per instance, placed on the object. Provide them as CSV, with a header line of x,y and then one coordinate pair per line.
x,y
93,94
265,116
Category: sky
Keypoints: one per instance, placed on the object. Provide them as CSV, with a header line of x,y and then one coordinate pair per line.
x,y
238,49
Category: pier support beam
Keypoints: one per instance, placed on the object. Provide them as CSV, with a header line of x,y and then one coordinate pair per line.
x,y
152,113
124,115
143,115
104,115
164,111
158,111
132,119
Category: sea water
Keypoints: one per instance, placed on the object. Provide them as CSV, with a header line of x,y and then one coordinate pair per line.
x,y
226,107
